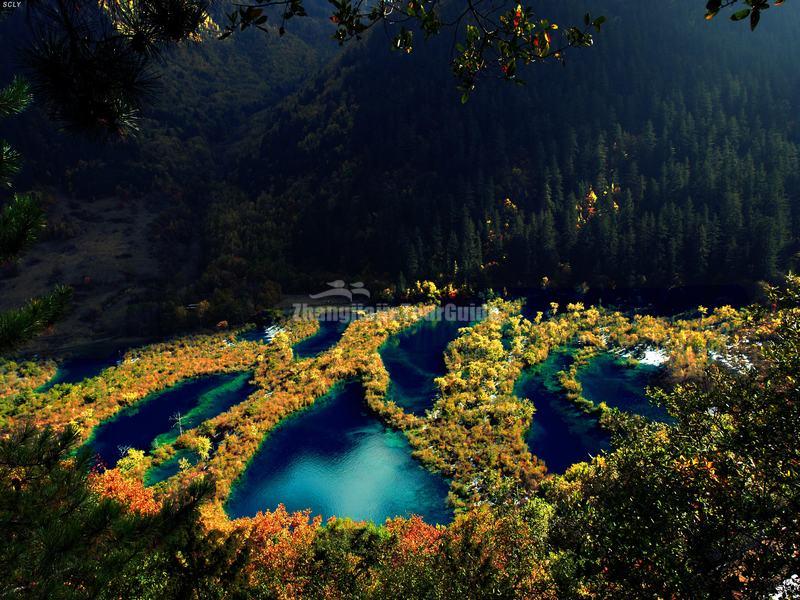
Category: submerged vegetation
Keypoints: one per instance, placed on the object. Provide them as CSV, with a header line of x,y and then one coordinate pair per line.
x,y
518,529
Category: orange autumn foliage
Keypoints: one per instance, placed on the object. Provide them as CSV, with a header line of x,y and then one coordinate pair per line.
x,y
279,536
277,542
415,535
131,493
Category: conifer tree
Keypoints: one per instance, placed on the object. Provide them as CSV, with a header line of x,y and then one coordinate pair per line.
x,y
21,221
59,538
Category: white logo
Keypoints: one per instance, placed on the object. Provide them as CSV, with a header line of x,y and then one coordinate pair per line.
x,y
339,288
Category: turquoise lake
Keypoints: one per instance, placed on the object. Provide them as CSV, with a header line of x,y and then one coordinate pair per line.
x,y
337,459
150,422
77,369
329,334
607,378
560,435
414,358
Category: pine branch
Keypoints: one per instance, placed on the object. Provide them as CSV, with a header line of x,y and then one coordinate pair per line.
x,y
10,163
20,324
21,221
15,97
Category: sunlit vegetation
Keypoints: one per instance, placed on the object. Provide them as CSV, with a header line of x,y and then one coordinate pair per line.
x,y
287,386
474,431
517,528
128,491
477,426
140,373
21,376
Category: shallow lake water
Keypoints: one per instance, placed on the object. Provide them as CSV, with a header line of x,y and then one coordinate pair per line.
x,y
607,378
329,334
79,368
151,421
337,459
560,434
414,358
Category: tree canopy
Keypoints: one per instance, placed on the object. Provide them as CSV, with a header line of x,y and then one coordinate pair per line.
x,y
95,63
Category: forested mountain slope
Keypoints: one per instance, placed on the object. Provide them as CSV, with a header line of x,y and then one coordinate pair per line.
x,y
124,215
665,154
200,95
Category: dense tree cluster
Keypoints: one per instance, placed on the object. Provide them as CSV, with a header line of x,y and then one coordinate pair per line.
x,y
66,535
20,376
706,508
94,63
633,166
652,168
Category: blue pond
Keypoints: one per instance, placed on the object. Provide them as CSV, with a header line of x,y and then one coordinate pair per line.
x,y
337,459
329,334
609,379
150,421
560,435
414,358
77,369
255,334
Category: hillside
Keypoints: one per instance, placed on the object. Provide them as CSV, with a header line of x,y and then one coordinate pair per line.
x,y
273,165
124,213
667,154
